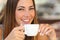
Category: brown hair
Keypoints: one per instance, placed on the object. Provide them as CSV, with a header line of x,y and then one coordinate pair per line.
x,y
9,17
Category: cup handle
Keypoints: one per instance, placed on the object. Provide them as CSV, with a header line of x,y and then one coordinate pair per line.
x,y
25,33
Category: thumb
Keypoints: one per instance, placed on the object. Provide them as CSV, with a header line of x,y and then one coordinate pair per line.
x,y
21,23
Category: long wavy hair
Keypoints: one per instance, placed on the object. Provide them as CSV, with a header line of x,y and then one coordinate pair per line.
x,y
9,17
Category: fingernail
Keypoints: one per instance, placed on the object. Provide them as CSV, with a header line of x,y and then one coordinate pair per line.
x,y
46,33
38,30
40,33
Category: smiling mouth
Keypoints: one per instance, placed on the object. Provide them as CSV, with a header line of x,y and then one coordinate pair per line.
x,y
26,21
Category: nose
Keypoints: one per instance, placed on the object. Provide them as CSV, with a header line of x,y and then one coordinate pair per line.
x,y
27,13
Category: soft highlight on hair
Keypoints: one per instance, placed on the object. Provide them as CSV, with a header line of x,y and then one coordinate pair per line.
x,y
9,17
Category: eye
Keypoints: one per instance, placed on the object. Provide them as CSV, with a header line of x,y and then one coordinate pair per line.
x,y
31,8
20,9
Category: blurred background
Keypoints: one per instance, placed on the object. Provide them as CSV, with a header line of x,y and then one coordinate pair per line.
x,y
48,11
2,5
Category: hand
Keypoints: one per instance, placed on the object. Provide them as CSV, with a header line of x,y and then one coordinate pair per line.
x,y
46,29
16,34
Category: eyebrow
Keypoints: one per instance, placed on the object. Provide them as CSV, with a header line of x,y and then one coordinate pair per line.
x,y
32,6
21,7
24,7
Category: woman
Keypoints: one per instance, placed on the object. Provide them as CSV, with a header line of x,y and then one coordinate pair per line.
x,y
23,12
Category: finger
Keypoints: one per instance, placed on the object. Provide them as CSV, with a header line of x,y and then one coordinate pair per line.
x,y
21,23
19,38
47,25
48,32
19,32
20,35
19,28
42,30
47,28
41,25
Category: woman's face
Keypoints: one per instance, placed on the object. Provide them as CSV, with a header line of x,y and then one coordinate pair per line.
x,y
24,12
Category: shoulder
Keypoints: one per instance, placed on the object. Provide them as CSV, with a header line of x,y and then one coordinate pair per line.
x,y
1,31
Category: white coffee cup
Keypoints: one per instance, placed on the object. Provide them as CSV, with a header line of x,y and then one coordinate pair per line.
x,y
31,29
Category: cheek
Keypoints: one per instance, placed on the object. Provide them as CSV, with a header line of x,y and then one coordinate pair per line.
x,y
18,16
33,14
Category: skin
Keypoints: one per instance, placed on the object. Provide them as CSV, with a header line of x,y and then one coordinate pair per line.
x,y
0,34
46,29
24,14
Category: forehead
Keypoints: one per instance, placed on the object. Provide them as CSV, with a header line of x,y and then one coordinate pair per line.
x,y
25,2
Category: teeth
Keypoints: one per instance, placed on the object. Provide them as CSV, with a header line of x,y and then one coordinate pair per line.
x,y
26,20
